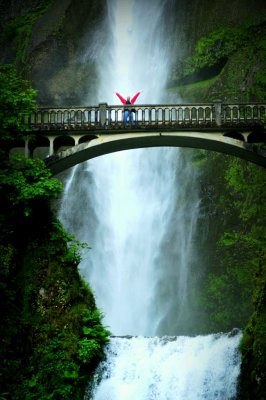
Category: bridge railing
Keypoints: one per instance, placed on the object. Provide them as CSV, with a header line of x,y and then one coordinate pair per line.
x,y
148,115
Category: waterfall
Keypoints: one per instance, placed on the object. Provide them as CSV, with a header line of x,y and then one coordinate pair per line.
x,y
138,210
183,368
134,211
137,54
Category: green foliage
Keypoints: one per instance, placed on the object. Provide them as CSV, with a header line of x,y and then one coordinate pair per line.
x,y
57,317
227,64
253,343
73,254
18,31
219,44
233,195
248,183
51,332
64,353
24,181
95,337
17,100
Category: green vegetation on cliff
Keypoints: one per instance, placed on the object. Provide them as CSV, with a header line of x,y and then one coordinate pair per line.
x,y
229,62
232,237
17,99
17,31
51,332
233,194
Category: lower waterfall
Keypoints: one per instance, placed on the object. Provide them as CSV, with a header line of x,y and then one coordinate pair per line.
x,y
168,368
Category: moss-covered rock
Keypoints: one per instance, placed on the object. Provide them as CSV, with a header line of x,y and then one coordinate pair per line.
x,y
228,64
253,345
51,332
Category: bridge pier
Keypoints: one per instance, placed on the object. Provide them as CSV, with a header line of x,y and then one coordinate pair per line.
x,y
51,147
27,149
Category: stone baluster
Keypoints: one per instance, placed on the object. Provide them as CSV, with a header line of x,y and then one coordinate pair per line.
x,y
102,109
218,112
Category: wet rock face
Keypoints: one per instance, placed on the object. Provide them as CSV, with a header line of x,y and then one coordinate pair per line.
x,y
62,51
59,62
59,52
10,11
12,8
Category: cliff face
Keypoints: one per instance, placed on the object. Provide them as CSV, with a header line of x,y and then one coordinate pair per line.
x,y
236,72
59,53
61,49
199,17
53,41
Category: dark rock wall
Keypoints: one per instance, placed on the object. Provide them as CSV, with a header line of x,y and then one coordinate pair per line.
x,y
60,43
62,51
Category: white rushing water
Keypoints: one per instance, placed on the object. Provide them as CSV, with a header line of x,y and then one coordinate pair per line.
x,y
138,210
136,56
140,226
182,368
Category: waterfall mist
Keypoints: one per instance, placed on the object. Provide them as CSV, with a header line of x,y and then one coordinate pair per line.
x,y
136,54
137,209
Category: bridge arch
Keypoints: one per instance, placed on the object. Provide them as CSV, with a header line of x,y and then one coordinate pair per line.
x,y
86,138
256,136
105,144
63,141
235,135
40,143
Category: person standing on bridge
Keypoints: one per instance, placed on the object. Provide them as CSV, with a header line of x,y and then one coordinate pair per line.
x,y
128,113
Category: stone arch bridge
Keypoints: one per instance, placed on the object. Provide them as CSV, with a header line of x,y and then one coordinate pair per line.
x,y
74,134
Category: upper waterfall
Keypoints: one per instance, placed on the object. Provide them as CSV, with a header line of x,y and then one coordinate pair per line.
x,y
138,212
137,53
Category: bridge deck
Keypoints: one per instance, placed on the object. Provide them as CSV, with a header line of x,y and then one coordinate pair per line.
x,y
211,116
70,135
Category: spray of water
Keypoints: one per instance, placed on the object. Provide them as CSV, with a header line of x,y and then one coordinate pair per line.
x,y
140,207
138,52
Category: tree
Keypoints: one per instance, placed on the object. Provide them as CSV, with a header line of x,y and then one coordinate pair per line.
x,y
17,99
